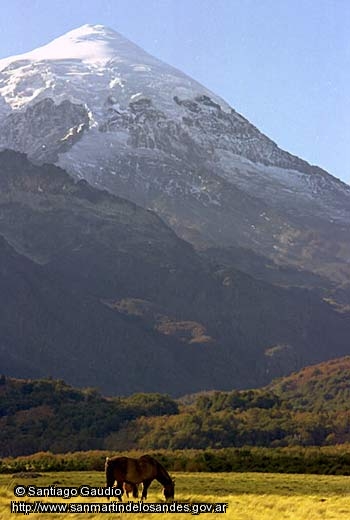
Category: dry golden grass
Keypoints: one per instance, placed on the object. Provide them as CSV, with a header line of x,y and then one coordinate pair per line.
x,y
250,496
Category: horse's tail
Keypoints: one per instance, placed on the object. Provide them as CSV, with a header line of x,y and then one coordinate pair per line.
x,y
109,473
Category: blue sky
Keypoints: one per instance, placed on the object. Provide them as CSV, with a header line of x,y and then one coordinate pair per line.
x,y
283,64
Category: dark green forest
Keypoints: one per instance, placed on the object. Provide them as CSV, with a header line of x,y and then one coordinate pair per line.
x,y
327,460
308,408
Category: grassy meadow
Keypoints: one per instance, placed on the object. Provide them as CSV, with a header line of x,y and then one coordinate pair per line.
x,y
250,496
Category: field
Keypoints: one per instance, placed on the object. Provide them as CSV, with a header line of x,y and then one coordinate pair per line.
x,y
250,496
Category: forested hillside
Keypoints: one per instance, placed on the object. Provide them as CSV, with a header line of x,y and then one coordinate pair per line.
x,y
50,415
308,408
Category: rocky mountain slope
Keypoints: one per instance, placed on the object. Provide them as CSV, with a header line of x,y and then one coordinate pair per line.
x,y
105,110
100,292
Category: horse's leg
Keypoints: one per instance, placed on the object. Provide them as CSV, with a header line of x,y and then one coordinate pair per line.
x,y
110,480
126,489
120,487
146,485
135,491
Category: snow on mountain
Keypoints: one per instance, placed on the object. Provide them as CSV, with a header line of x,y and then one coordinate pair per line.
x,y
104,109
87,65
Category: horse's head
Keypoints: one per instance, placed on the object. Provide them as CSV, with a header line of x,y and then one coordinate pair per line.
x,y
169,490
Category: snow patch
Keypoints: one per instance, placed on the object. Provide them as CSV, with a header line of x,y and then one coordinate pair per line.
x,y
116,82
75,130
141,68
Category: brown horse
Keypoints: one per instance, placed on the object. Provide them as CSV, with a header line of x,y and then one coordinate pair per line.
x,y
134,471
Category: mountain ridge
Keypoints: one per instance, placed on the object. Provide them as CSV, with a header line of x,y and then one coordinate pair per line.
x,y
92,280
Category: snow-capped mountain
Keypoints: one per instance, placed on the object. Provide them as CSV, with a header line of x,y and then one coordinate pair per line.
x,y
99,106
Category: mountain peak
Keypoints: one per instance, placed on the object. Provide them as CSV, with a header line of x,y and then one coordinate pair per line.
x,y
88,43
87,62
92,33
89,28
